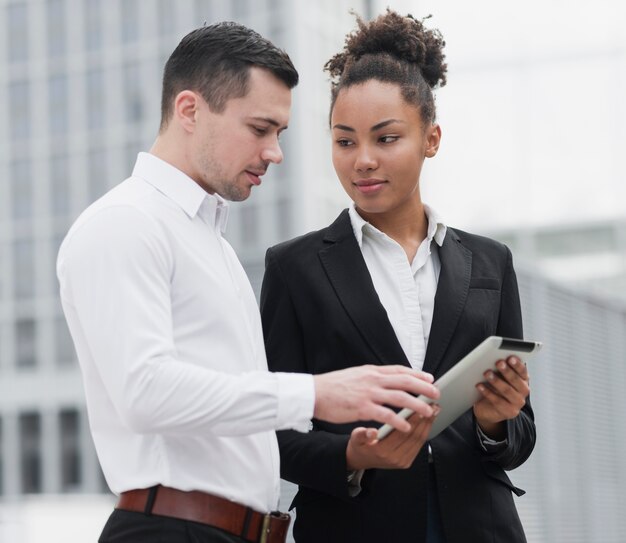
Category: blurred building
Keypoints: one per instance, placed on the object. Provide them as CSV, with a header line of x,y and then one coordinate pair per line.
x,y
79,96
589,257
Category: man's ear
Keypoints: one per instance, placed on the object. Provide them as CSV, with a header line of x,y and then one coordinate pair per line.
x,y
433,139
186,105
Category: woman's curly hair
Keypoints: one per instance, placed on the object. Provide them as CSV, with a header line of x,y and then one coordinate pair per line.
x,y
392,49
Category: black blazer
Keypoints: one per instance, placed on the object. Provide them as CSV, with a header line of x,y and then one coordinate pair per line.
x,y
321,313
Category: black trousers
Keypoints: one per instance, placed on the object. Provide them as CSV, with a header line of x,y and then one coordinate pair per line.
x,y
130,527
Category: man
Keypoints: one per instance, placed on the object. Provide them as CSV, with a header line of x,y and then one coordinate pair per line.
x,y
165,324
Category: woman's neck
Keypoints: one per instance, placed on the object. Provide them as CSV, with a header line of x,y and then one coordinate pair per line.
x,y
407,225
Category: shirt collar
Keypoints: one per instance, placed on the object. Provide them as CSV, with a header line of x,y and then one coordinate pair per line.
x,y
436,228
182,190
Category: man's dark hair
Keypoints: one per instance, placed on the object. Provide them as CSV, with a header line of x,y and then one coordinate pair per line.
x,y
215,61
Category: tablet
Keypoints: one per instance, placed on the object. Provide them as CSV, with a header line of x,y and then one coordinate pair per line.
x,y
458,385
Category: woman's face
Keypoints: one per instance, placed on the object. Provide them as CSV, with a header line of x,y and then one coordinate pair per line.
x,y
379,146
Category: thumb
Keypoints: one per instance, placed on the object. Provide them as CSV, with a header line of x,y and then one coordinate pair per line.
x,y
363,436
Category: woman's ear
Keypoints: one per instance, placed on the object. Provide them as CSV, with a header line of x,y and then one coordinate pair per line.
x,y
433,138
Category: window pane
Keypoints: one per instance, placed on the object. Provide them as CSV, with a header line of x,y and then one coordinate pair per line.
x,y
64,346
17,31
97,173
130,20
19,104
69,424
59,186
25,343
21,190
57,103
30,452
93,25
95,99
56,27
23,269
166,17
132,93
250,225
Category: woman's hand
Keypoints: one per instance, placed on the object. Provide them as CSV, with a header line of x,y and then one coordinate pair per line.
x,y
503,395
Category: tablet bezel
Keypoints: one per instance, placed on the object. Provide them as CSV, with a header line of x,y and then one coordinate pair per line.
x,y
458,385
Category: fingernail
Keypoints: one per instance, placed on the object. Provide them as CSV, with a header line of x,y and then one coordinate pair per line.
x,y
480,387
514,362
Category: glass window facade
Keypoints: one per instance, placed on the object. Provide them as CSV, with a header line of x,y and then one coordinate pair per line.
x,y
21,190
55,21
69,427
19,106
93,24
58,104
30,452
23,269
60,187
26,343
17,28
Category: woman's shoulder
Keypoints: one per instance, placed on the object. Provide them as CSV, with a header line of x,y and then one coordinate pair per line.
x,y
313,241
478,243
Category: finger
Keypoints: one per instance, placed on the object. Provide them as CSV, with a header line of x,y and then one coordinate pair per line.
x,y
518,366
362,436
502,408
403,400
499,385
404,370
512,378
410,384
385,415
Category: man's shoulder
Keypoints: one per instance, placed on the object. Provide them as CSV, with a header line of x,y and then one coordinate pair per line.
x,y
124,209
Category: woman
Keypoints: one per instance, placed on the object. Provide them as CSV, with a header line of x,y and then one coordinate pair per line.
x,y
388,282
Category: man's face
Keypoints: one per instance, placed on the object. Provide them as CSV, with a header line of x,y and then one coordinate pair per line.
x,y
233,149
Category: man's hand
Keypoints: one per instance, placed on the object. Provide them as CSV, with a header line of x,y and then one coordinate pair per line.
x,y
503,396
397,451
364,392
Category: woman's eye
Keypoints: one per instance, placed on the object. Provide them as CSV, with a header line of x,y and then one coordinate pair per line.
x,y
344,143
388,139
259,131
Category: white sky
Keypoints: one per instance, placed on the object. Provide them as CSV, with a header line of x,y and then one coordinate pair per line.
x,y
533,116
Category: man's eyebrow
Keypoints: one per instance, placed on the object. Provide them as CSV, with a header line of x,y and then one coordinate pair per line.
x,y
271,121
377,126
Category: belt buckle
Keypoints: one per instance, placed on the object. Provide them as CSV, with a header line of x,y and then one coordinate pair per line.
x,y
265,528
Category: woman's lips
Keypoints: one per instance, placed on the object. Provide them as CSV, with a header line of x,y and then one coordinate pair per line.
x,y
369,186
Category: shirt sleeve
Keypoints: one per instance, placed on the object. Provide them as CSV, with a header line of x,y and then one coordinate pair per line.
x,y
115,273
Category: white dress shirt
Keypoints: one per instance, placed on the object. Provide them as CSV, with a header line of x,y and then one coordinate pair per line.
x,y
407,292
169,339
406,289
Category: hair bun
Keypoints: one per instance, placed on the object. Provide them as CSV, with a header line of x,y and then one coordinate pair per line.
x,y
405,38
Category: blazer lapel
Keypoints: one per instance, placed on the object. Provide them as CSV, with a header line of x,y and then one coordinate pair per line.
x,y
347,272
450,298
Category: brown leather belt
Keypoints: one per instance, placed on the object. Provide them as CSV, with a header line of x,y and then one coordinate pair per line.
x,y
208,509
